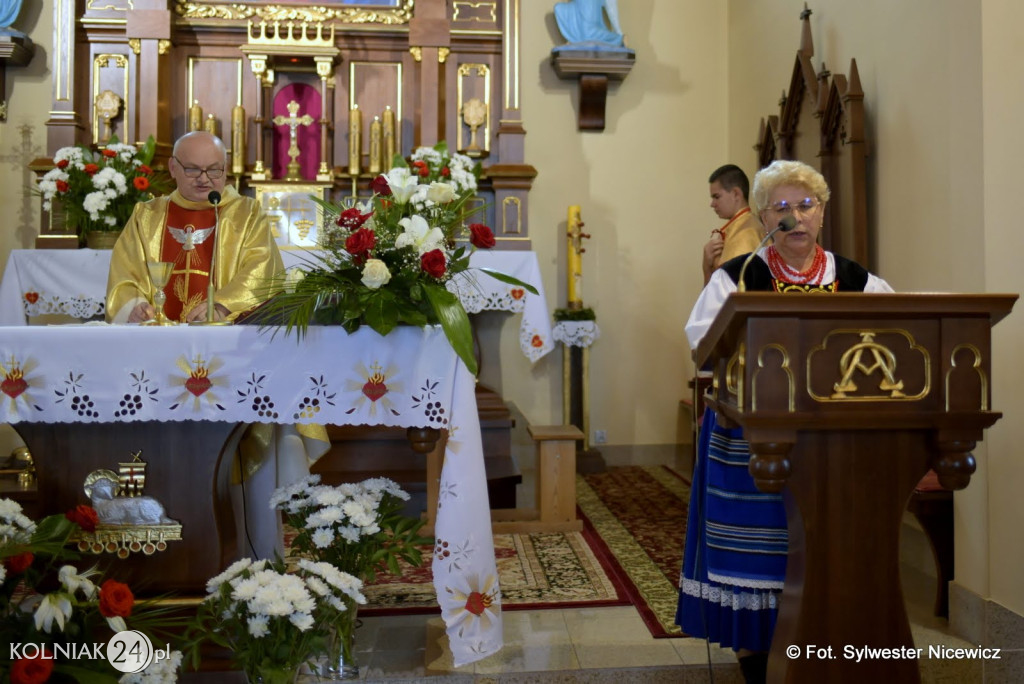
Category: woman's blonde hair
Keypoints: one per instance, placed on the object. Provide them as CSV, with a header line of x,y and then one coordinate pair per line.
x,y
784,172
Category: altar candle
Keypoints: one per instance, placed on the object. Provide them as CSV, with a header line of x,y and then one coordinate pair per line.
x,y
210,125
375,145
355,140
238,140
388,125
575,270
195,117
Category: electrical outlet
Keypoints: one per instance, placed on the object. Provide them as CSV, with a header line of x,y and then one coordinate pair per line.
x,y
600,437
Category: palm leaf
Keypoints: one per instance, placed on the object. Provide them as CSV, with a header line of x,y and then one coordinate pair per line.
x,y
505,278
454,322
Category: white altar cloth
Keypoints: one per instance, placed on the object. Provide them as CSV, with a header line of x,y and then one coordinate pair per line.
x,y
411,378
74,281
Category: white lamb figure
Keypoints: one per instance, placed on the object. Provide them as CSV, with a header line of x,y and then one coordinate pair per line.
x,y
115,510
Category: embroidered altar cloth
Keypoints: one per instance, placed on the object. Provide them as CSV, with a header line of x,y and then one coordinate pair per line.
x,y
107,374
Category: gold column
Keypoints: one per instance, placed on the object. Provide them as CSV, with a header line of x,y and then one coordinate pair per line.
x,y
375,145
355,140
324,67
238,140
388,125
210,124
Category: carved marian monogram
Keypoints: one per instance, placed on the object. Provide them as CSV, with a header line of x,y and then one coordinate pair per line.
x,y
868,357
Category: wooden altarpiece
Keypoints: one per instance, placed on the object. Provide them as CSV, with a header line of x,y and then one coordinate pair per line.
x,y
445,69
847,401
821,122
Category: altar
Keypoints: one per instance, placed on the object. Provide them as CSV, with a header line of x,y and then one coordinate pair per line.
x,y
87,396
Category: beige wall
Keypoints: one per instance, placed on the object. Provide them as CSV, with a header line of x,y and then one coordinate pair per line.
x,y
941,81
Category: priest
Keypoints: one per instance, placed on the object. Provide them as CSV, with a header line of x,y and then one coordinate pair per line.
x,y
184,229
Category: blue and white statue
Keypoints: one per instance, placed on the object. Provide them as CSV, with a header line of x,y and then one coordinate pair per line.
x,y
582,23
9,10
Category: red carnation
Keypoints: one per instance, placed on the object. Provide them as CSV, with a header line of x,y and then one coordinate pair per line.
x,y
140,183
63,164
145,169
32,670
359,243
109,154
380,186
421,168
91,169
353,219
433,263
446,172
116,599
18,564
481,236
83,516
62,186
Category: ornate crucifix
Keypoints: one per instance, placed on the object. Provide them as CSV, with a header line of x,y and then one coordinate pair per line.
x,y
293,121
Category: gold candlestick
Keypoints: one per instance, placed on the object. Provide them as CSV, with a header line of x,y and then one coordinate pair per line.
x,y
375,145
355,140
575,252
159,275
210,124
195,117
388,126
238,140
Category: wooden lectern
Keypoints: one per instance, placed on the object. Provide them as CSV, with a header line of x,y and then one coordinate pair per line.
x,y
847,400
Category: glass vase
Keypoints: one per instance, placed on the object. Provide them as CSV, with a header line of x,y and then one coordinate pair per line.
x,y
270,675
341,662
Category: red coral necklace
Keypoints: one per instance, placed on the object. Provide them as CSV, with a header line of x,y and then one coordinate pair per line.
x,y
782,271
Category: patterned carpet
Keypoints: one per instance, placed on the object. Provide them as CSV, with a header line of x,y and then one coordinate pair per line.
x,y
639,514
629,551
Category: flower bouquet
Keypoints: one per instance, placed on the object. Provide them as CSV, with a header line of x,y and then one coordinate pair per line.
x,y
390,259
97,191
272,620
51,613
358,529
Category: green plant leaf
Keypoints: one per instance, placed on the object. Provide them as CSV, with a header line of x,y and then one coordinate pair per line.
x,y
454,321
505,278
381,312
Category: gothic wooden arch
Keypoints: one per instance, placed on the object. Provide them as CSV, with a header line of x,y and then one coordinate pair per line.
x,y
821,122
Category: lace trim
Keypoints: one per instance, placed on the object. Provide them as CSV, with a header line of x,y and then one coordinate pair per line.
x,y
745,582
742,600
576,333
80,306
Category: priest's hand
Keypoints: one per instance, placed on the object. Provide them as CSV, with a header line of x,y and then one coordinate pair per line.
x,y
142,312
220,312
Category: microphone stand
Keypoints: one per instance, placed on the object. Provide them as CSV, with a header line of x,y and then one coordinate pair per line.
x,y
214,199
785,225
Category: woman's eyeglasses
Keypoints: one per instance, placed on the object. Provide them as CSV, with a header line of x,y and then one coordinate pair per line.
x,y
195,172
804,207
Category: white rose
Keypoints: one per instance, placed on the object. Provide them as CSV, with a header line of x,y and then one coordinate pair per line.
x,y
440,192
375,274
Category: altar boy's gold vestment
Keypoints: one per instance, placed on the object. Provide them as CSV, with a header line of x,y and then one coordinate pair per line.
x,y
247,256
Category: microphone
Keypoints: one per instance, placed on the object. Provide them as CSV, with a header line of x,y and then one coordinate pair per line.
x,y
214,199
787,224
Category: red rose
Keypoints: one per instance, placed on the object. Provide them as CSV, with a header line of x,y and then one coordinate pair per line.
x,y
424,171
116,599
380,186
83,516
62,186
109,154
421,168
140,183
353,219
91,169
145,169
446,172
481,236
18,564
433,263
360,242
63,164
32,670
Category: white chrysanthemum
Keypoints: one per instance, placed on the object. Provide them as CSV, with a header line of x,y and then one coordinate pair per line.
x,y
323,537
258,626
163,670
328,496
94,203
3,573
418,233
245,589
350,534
71,154
235,569
327,516
296,489
304,621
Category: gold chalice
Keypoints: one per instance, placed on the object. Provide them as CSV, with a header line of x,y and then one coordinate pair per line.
x,y
159,275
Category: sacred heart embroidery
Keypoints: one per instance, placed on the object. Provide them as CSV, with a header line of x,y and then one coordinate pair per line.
x,y
198,385
12,387
31,297
375,383
374,389
517,293
537,341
